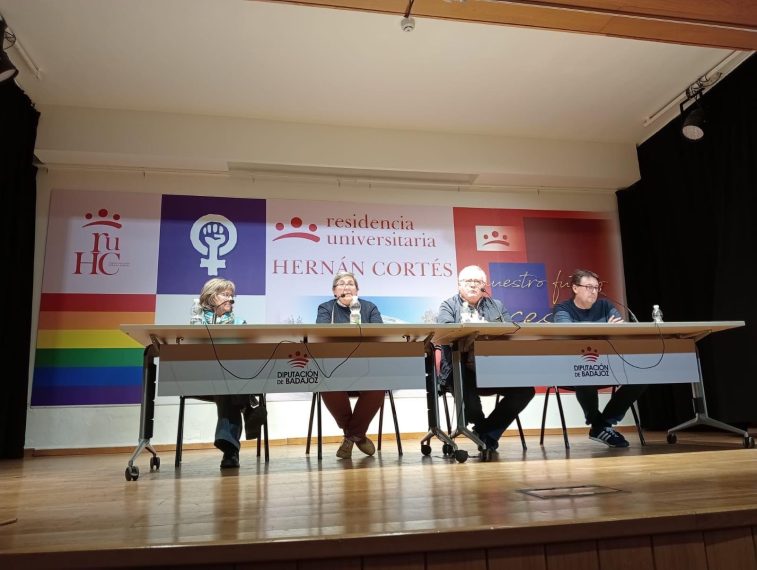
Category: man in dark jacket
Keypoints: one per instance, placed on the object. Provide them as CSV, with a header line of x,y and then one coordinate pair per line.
x,y
472,305
585,306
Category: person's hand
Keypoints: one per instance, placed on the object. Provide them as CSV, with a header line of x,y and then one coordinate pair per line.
x,y
615,320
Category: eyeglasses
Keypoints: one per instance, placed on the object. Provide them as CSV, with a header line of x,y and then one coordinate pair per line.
x,y
471,282
593,288
225,295
345,284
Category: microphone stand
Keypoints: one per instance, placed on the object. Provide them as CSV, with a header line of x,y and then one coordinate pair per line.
x,y
630,312
488,296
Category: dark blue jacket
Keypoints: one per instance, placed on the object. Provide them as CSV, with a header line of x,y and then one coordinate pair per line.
x,y
600,312
333,312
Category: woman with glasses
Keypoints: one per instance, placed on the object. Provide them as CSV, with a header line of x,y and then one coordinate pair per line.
x,y
354,423
217,301
585,306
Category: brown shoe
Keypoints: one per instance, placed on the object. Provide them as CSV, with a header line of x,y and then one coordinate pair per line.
x,y
366,446
345,450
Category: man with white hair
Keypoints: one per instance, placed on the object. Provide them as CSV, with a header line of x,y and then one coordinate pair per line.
x,y
472,305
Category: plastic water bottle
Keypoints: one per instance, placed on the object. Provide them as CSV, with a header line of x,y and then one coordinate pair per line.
x,y
196,316
468,314
656,314
355,311
465,313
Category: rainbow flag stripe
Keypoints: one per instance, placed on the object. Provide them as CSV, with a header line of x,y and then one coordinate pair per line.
x,y
82,358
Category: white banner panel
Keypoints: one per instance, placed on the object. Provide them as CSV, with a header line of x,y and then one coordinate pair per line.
x,y
102,242
188,378
582,363
394,251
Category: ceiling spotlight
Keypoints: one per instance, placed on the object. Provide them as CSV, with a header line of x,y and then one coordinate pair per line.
x,y
7,69
407,24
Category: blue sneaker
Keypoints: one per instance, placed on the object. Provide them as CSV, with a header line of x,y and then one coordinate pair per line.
x,y
608,436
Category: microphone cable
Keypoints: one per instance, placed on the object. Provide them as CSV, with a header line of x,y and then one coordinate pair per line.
x,y
220,362
232,373
315,360
659,332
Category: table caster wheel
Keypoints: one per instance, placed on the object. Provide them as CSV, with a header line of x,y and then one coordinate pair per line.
x,y
672,438
132,473
155,463
447,449
425,449
461,456
749,442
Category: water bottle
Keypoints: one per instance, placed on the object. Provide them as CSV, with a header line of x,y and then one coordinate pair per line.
x,y
355,311
196,316
468,313
465,313
656,314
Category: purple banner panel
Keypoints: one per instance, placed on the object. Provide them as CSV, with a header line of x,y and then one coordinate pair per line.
x,y
204,237
86,395
522,288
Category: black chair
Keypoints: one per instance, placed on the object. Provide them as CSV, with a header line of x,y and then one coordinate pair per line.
x,y
556,390
445,389
180,430
317,402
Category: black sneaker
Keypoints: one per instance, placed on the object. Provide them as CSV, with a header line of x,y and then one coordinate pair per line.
x,y
608,436
489,441
230,454
230,460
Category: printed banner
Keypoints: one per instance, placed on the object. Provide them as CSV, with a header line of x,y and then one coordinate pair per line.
x,y
529,255
114,258
394,251
102,242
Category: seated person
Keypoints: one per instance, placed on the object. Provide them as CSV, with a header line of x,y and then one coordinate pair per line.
x,y
471,305
586,307
354,423
217,300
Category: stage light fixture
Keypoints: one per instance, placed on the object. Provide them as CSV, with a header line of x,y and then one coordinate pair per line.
x,y
693,124
7,39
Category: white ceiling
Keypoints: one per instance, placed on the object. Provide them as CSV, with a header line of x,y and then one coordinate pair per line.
x,y
284,62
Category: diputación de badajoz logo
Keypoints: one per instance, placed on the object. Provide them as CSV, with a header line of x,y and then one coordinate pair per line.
x,y
298,372
589,367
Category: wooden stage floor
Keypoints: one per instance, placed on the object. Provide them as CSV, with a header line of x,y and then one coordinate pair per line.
x,y
689,505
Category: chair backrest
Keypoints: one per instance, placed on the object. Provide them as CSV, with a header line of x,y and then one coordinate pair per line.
x,y
437,359
443,368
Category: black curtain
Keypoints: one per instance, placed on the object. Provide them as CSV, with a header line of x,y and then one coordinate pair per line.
x,y
18,131
689,245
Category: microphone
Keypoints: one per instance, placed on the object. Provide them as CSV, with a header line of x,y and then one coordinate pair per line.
x,y
501,316
626,307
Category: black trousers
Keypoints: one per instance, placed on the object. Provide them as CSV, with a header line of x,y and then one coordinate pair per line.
x,y
512,402
616,408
